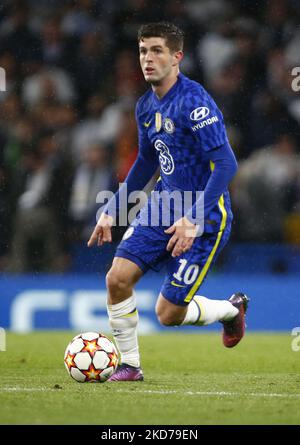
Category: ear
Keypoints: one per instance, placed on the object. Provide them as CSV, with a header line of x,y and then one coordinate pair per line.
x,y
177,57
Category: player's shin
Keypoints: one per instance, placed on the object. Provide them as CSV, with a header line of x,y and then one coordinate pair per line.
x,y
202,311
123,318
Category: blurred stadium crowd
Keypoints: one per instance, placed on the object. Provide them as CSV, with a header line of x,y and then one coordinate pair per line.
x,y
67,126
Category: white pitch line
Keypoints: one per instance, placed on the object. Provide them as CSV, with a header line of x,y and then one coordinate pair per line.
x,y
239,394
212,393
20,389
163,392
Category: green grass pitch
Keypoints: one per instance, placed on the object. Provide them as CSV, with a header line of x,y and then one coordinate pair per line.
x,y
189,379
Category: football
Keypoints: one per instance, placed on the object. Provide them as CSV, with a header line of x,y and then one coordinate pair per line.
x,y
91,357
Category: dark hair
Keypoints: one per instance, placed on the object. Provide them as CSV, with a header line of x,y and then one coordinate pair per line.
x,y
174,36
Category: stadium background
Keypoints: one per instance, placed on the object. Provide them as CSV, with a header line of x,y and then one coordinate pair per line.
x,y
67,131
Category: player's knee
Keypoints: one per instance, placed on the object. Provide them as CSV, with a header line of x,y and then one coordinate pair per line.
x,y
167,313
166,319
116,281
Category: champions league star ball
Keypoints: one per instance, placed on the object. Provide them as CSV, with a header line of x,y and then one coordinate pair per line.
x,y
91,357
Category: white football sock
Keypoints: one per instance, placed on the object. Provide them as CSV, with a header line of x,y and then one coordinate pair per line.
x,y
123,318
203,311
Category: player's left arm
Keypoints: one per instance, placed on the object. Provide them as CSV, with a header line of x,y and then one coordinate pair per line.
x,y
224,167
186,229
213,143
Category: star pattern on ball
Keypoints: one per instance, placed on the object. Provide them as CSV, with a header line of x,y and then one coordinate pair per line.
x,y
113,359
90,346
92,373
70,360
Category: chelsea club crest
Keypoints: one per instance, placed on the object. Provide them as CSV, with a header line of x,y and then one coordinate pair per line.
x,y
168,125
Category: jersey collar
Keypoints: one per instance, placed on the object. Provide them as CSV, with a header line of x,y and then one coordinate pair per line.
x,y
170,93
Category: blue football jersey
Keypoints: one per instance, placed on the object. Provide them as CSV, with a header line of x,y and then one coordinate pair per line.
x,y
179,133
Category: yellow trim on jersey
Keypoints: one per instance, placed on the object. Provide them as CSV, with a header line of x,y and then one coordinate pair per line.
x,y
221,204
201,277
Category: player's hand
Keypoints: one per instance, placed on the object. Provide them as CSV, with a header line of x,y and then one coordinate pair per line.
x,y
184,233
102,231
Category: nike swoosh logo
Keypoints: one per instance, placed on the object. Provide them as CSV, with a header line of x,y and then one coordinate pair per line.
x,y
147,124
177,285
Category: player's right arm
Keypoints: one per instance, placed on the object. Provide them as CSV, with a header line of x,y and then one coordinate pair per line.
x,y
102,231
142,171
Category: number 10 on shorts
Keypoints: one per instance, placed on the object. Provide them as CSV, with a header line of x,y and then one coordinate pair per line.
x,y
186,274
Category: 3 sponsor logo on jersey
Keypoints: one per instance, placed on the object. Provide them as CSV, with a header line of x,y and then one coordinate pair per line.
x,y
165,157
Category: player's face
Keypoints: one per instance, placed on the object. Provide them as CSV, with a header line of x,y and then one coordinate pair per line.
x,y
157,62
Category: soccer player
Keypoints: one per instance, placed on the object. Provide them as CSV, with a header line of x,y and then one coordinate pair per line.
x,y
182,135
